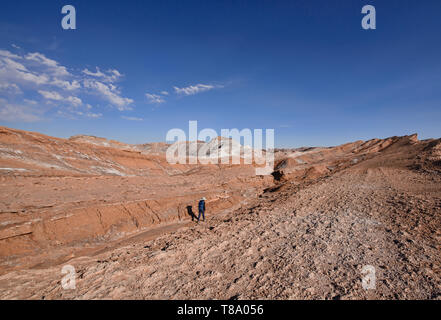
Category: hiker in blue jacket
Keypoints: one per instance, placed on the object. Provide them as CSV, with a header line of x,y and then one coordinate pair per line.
x,y
201,207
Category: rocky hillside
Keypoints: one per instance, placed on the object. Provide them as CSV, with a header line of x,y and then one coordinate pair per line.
x,y
307,231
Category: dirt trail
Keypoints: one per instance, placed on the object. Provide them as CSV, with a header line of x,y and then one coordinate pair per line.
x,y
302,241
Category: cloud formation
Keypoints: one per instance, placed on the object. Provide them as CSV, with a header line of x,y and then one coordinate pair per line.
x,y
192,90
154,98
44,81
10,88
53,66
186,91
110,93
109,76
12,112
132,118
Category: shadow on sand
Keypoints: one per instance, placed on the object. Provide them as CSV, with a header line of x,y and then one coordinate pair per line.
x,y
191,213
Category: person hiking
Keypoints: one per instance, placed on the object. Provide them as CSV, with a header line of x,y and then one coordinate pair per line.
x,y
201,207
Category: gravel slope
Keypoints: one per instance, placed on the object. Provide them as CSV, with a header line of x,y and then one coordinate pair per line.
x,y
308,241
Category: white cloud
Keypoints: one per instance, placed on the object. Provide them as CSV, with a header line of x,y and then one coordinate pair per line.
x,y
53,66
28,101
10,88
73,113
89,114
191,90
34,78
66,85
13,71
154,98
164,93
75,101
132,118
11,64
41,58
109,77
115,72
8,54
94,115
15,46
109,93
53,95
12,113
32,73
98,73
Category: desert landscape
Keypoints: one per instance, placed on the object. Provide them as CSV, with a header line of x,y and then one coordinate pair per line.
x,y
124,218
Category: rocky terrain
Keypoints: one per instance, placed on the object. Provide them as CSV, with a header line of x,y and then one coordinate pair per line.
x,y
76,194
120,215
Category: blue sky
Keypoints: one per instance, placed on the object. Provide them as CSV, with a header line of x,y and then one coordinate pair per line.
x,y
135,69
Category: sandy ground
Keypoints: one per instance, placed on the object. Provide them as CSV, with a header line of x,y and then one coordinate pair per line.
x,y
327,220
307,241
